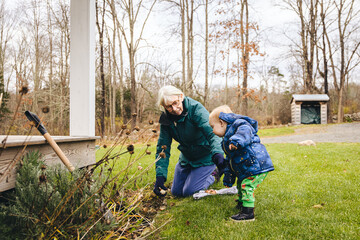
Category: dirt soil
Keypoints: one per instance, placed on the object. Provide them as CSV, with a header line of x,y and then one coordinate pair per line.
x,y
347,132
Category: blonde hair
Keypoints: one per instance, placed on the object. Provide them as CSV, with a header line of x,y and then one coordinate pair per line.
x,y
167,92
214,115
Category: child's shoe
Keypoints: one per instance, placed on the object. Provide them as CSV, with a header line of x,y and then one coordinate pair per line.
x,y
246,214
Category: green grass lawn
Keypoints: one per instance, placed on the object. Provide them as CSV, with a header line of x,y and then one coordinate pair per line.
x,y
289,130
312,194
271,132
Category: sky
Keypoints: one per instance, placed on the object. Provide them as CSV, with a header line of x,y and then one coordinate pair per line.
x,y
270,18
273,20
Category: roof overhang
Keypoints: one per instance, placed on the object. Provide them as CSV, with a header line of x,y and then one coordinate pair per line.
x,y
310,98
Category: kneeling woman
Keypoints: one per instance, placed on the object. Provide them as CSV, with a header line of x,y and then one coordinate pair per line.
x,y
187,122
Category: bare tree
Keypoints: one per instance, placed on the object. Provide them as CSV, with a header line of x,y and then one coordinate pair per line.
x,y
6,32
100,23
245,51
112,66
206,86
345,48
322,46
35,22
234,30
307,12
132,8
189,8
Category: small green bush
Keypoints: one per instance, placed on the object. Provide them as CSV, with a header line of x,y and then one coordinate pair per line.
x,y
51,202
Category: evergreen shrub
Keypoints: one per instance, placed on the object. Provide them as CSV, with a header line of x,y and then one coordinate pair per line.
x,y
52,203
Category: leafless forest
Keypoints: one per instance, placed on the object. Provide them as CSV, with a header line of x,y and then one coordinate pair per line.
x,y
214,52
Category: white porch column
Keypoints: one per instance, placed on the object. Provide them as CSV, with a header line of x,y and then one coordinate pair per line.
x,y
82,68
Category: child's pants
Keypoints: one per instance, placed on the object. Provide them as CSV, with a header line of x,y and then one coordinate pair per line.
x,y
247,187
188,180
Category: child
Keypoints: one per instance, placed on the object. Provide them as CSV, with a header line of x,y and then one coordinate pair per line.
x,y
246,158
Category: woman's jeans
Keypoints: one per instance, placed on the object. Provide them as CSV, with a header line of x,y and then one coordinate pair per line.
x,y
189,180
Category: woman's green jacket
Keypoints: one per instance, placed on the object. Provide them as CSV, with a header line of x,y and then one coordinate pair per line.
x,y
197,142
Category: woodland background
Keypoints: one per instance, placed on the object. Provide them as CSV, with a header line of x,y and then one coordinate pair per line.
x,y
216,51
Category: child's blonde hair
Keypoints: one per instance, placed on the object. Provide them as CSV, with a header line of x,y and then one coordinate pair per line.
x,y
214,115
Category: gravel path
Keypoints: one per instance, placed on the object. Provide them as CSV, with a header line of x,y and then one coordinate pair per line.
x,y
347,132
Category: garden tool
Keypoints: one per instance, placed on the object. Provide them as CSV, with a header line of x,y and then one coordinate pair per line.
x,y
35,119
204,193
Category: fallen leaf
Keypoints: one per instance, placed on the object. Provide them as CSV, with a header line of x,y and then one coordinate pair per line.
x,y
318,206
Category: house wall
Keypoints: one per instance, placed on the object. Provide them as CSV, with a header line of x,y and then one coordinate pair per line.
x,y
296,113
323,112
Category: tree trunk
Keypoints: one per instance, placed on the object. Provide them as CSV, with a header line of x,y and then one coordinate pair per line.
x,y
245,53
206,53
190,42
101,67
183,45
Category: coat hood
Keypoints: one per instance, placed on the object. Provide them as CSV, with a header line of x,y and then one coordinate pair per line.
x,y
232,117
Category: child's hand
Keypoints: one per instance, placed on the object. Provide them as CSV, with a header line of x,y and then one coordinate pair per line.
x,y
232,147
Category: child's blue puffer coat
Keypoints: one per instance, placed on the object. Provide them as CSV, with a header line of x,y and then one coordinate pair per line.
x,y
251,157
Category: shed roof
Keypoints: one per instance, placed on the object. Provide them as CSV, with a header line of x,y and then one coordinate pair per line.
x,y
310,97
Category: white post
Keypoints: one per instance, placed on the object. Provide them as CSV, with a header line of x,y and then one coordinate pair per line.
x,y
82,68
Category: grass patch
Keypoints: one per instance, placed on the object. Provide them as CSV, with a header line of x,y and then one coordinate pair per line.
x,y
289,130
272,132
312,194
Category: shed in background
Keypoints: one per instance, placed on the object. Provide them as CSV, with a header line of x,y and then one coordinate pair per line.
x,y
309,109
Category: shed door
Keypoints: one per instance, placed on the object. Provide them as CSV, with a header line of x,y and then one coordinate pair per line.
x,y
310,113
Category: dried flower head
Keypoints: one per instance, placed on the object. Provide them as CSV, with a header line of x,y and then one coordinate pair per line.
x,y
148,144
134,114
148,152
42,178
162,155
104,146
140,168
131,152
151,122
154,130
24,90
164,147
45,109
137,128
124,126
130,147
128,132
43,167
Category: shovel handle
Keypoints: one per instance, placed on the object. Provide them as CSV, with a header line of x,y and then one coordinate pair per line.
x,y
59,152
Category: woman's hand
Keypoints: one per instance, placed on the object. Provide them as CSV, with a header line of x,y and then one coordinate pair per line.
x,y
219,160
159,187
